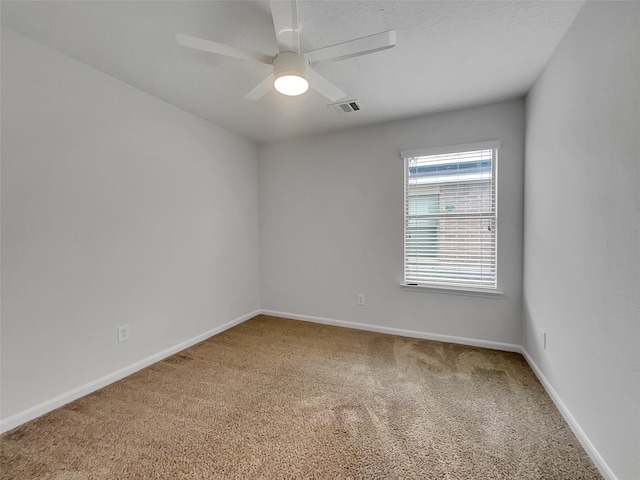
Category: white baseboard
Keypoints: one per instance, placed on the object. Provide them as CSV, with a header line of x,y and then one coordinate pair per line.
x,y
56,402
44,407
591,450
507,347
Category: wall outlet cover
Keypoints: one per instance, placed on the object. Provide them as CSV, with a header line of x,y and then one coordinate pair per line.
x,y
123,333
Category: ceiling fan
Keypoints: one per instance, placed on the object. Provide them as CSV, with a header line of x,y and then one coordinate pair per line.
x,y
292,73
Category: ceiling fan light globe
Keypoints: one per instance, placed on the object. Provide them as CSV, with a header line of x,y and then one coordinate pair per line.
x,y
291,85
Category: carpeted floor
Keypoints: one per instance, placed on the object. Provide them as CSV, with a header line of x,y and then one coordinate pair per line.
x,y
274,398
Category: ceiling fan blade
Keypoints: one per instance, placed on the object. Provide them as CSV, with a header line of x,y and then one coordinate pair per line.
x,y
222,49
261,89
354,48
324,86
285,21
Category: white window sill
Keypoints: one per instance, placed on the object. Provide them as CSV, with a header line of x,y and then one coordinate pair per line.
x,y
473,292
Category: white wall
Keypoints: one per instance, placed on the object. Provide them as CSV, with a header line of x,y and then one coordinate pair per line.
x,y
117,208
331,226
582,224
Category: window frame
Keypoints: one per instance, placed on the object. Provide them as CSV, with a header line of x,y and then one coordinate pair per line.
x,y
434,287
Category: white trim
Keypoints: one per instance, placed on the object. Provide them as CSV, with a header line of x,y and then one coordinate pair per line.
x,y
473,292
463,147
62,399
49,405
591,450
507,347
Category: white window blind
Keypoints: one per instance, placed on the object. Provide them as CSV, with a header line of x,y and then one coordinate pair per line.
x,y
450,216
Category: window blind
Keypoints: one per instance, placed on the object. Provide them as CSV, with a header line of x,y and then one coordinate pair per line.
x,y
450,236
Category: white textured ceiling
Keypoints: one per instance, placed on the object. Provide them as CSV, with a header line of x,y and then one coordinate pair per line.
x,y
448,55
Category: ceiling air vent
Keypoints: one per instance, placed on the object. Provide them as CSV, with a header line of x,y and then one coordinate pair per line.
x,y
344,107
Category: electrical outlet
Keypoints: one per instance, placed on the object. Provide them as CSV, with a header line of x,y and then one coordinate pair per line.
x,y
361,299
543,336
123,333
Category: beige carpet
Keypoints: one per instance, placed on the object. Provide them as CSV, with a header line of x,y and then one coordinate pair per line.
x,y
275,398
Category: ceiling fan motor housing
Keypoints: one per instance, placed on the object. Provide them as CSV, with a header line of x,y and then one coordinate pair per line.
x,y
290,63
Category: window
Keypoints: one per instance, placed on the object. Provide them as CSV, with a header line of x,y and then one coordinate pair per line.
x,y
450,216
